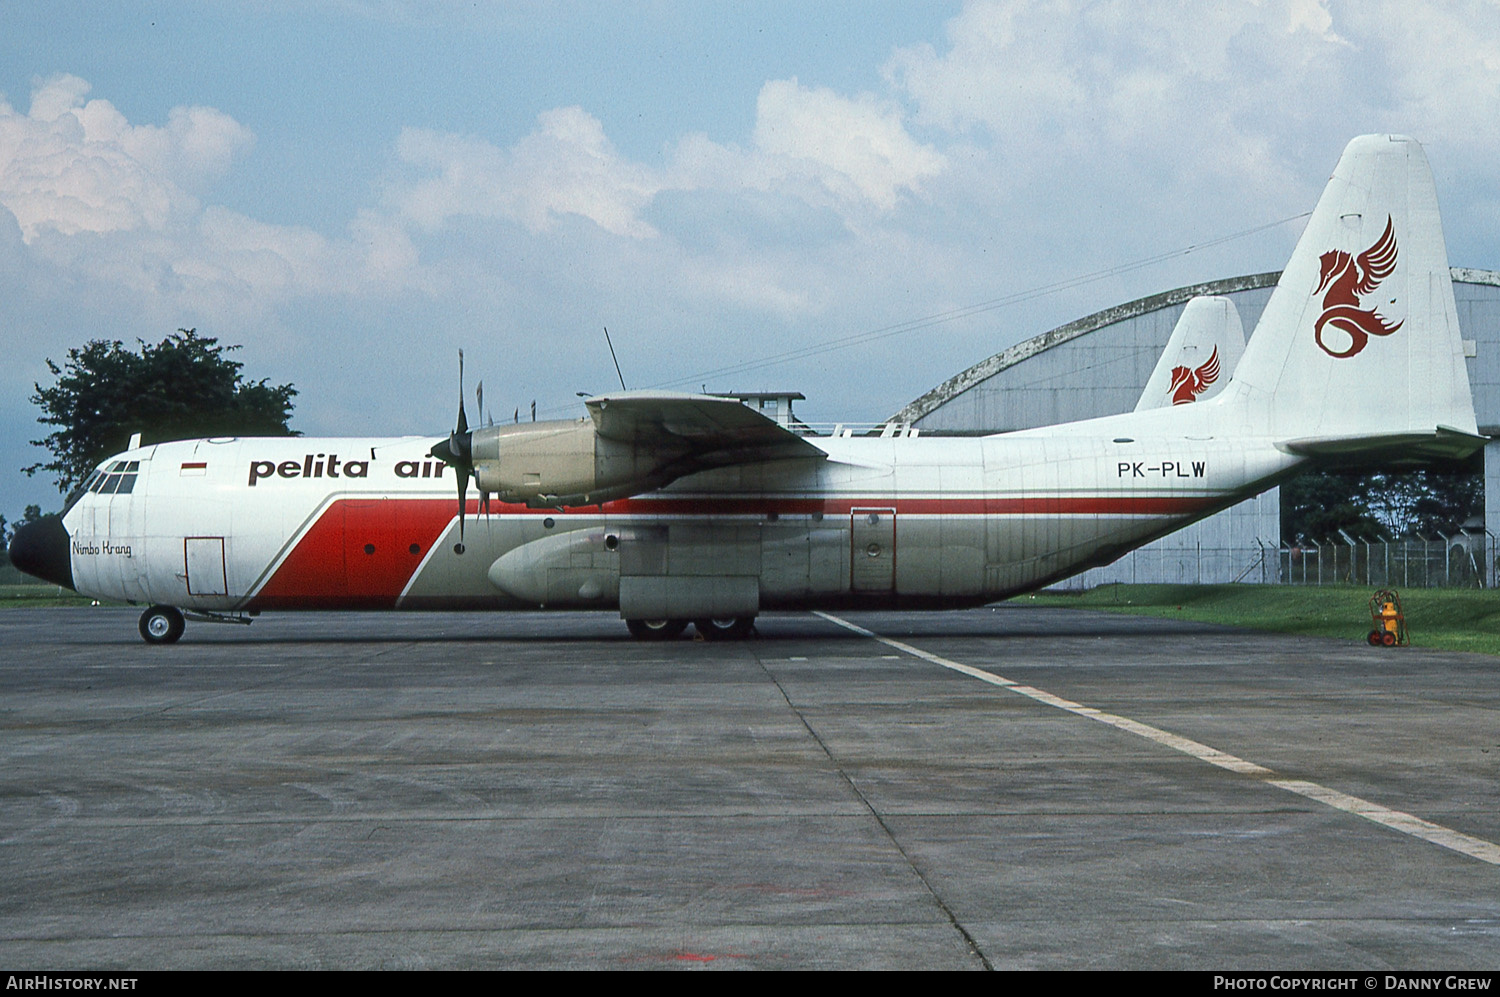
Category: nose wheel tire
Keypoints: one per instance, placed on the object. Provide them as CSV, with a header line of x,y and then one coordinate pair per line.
x,y
162,625
725,628
656,629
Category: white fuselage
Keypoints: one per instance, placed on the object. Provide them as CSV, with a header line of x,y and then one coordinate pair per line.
x,y
248,524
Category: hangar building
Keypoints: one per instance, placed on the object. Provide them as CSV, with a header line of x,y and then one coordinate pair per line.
x,y
1098,365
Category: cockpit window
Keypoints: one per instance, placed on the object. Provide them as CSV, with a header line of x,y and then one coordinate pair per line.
x,y
116,479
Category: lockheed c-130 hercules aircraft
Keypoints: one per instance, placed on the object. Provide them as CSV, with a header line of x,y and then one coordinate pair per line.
x,y
670,508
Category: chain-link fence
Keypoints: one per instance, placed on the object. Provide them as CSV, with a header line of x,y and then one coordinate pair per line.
x,y
1465,560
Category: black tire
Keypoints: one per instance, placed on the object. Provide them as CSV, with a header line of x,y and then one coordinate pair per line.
x,y
730,628
656,629
162,625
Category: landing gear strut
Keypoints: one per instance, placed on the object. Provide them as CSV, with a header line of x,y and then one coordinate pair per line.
x,y
162,625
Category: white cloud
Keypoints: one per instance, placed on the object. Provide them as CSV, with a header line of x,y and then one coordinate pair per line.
x,y
73,166
1440,66
1177,107
1061,67
117,205
808,143
565,167
1187,80
859,148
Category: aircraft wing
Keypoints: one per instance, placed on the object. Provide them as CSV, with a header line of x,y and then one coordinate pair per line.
x,y
706,431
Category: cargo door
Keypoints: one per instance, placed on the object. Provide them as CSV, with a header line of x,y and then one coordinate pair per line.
x,y
376,566
872,550
203,563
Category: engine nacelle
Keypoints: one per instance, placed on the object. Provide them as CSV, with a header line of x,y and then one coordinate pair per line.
x,y
564,462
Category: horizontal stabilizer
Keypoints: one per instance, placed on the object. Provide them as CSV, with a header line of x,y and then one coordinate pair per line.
x,y
1390,449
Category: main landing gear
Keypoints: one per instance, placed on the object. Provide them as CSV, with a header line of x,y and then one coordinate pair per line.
x,y
725,628
656,629
162,625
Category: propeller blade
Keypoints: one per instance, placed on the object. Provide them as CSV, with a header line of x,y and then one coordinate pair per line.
x,y
457,452
463,419
463,500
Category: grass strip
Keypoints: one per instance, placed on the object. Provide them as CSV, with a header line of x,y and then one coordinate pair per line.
x,y
1450,619
31,595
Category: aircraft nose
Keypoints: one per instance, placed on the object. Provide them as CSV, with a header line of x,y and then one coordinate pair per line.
x,y
41,549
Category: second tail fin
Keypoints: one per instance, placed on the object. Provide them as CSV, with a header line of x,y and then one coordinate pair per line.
x,y
1200,357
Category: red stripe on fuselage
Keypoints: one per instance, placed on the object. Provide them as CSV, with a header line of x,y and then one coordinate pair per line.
x,y
362,553
1035,505
359,554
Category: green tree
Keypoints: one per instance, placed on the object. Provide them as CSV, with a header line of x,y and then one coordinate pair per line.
x,y
1316,505
184,387
1433,501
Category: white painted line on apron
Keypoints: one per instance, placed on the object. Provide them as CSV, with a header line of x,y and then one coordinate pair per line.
x,y
1396,820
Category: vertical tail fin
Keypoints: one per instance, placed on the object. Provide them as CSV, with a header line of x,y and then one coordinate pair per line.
x,y
1360,338
1200,357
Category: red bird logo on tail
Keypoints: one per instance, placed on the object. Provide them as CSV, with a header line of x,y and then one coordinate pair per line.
x,y
1189,384
1348,278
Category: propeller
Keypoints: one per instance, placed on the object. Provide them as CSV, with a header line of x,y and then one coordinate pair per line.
x,y
457,452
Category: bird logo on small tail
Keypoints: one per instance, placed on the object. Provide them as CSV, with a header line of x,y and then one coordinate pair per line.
x,y
1187,384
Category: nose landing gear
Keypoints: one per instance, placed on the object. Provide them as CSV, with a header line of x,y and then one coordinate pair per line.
x,y
162,625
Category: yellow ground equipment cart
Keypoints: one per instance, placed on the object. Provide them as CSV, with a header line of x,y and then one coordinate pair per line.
x,y
1388,619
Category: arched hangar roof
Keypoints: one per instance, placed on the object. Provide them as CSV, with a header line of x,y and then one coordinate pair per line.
x,y
1098,364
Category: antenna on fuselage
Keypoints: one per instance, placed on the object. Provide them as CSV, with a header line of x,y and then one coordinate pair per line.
x,y
615,359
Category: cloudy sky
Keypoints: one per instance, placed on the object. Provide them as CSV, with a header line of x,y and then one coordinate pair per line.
x,y
851,199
